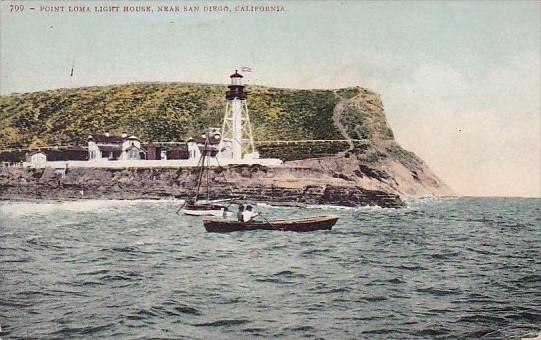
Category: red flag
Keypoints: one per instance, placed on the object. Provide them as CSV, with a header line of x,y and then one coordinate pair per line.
x,y
246,69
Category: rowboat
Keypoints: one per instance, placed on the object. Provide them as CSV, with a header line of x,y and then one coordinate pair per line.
x,y
216,225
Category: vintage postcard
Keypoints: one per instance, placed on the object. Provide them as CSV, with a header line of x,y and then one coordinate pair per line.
x,y
270,169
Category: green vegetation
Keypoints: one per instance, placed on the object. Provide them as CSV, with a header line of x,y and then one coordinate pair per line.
x,y
293,152
170,112
348,92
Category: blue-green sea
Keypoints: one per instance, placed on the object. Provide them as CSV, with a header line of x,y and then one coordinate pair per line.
x,y
456,268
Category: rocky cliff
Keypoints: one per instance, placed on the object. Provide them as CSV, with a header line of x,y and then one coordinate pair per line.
x,y
380,163
369,167
287,184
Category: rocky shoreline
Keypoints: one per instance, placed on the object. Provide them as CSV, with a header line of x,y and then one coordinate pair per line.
x,y
287,184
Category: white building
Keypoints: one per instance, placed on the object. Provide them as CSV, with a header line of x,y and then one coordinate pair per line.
x,y
38,160
107,147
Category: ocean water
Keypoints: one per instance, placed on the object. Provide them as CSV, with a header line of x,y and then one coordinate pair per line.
x,y
440,268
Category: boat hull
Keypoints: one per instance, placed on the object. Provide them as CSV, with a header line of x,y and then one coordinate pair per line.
x,y
298,225
206,210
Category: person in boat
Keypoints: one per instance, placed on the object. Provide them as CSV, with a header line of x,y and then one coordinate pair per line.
x,y
248,214
239,213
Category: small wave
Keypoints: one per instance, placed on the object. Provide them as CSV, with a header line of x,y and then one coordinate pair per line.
x,y
270,280
411,266
44,244
376,331
432,332
85,330
481,251
257,331
483,319
289,274
439,256
120,277
184,309
528,315
143,314
222,323
126,249
95,272
301,329
316,251
437,292
22,260
334,291
535,278
32,293
374,298
395,280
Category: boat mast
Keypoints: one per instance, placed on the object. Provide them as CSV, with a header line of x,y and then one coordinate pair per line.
x,y
201,165
208,172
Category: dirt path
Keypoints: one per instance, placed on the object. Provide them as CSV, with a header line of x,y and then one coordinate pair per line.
x,y
336,115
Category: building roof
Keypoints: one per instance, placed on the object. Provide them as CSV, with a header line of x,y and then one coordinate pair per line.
x,y
202,140
179,147
110,148
235,75
134,147
50,151
36,152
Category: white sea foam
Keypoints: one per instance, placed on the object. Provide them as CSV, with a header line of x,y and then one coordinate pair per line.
x,y
322,207
17,208
329,207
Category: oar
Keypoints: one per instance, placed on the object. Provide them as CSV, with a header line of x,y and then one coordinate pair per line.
x,y
272,225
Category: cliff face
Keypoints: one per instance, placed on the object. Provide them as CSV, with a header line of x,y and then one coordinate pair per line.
x,y
381,164
368,168
285,184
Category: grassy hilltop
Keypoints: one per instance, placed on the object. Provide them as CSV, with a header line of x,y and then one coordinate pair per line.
x,y
162,112
169,112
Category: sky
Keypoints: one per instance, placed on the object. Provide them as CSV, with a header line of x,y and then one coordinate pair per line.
x,y
460,81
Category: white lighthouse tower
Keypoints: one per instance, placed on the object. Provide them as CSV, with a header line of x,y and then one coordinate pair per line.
x,y
237,134
237,143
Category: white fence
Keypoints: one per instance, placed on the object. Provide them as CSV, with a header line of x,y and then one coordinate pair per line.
x,y
172,163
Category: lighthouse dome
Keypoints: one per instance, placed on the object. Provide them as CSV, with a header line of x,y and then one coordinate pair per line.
x,y
236,75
